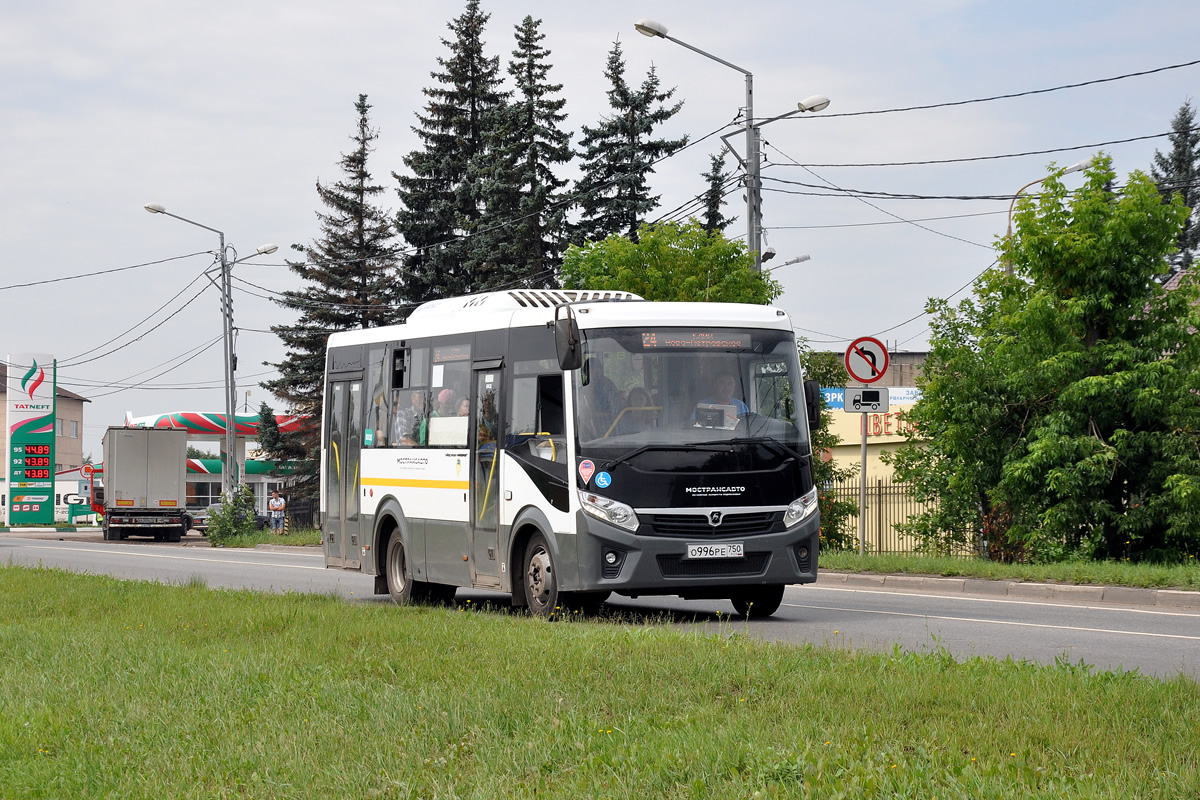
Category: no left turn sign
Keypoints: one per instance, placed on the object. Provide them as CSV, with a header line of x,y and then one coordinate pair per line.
x,y
866,359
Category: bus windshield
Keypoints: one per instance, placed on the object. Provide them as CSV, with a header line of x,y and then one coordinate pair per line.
x,y
678,389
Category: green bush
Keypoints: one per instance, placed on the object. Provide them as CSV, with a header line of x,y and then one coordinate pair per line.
x,y
233,518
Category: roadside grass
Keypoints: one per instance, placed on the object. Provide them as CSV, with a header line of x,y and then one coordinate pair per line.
x,y
1112,573
297,537
139,690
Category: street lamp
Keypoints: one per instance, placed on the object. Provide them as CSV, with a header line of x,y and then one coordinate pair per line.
x,y
649,27
1076,167
229,468
796,260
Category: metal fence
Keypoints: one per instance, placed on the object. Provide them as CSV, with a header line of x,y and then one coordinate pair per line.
x,y
888,505
302,513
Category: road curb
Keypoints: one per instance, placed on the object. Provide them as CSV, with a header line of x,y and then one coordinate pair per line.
x,y
78,529
1026,590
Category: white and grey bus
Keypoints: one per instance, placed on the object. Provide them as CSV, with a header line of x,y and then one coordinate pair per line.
x,y
566,445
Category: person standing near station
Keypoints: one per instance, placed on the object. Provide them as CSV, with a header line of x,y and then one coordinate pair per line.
x,y
276,507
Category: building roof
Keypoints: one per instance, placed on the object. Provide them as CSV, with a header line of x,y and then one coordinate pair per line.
x,y
1174,280
61,392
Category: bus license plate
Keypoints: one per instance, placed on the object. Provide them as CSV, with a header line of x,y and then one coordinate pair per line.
x,y
722,550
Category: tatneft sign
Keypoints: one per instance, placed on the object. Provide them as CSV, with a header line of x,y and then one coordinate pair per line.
x,y
882,426
29,438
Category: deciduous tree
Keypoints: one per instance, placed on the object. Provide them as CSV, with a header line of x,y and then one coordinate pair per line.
x,y
671,261
1060,410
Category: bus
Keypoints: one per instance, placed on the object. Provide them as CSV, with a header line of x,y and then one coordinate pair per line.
x,y
563,445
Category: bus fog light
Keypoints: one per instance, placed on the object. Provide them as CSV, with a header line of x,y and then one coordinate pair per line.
x,y
802,552
801,508
610,557
610,511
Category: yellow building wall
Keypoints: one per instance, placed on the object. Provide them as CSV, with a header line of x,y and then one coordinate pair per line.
x,y
885,431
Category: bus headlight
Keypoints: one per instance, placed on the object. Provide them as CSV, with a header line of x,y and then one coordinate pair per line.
x,y
801,508
610,511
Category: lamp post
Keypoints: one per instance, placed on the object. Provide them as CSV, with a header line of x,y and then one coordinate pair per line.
x,y
796,260
229,478
1076,167
648,27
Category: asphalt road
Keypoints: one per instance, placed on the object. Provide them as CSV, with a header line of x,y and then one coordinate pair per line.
x,y
1153,641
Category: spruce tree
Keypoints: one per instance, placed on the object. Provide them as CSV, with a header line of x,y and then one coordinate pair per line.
x,y
714,197
441,198
349,279
1178,172
524,223
618,155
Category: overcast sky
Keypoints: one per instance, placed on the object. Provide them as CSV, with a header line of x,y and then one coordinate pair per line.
x,y
227,113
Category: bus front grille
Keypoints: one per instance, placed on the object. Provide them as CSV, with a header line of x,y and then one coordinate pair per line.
x,y
680,567
697,525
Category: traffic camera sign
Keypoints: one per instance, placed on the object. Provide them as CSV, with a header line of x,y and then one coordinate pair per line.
x,y
866,359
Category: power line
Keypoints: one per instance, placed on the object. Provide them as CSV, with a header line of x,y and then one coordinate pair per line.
x,y
877,208
164,372
99,272
916,317
993,158
143,335
1008,96
122,381
881,222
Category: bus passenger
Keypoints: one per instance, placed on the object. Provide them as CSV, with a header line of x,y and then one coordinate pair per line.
x,y
639,414
445,404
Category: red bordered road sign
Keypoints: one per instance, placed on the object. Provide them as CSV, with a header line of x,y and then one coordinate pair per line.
x,y
866,359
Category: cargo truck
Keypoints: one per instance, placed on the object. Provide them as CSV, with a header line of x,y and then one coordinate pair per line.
x,y
145,483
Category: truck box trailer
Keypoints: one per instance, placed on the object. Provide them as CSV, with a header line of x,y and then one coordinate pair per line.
x,y
145,483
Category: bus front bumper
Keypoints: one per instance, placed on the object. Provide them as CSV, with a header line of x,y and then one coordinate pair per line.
x,y
617,560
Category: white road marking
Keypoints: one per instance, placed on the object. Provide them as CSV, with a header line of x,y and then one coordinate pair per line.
x,y
998,622
142,554
976,599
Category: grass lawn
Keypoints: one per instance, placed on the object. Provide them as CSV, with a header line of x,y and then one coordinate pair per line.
x,y
1111,573
137,690
298,537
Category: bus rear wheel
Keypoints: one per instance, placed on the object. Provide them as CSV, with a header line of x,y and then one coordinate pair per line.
x,y
539,578
401,587
756,602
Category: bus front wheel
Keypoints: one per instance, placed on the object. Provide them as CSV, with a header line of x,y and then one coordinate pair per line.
x,y
539,578
756,602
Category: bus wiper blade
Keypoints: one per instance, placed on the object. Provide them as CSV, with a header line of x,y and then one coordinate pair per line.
x,y
767,443
684,446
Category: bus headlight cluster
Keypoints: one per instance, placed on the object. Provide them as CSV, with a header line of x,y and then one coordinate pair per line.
x,y
801,508
610,511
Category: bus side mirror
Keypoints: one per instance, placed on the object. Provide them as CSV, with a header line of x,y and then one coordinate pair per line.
x,y
812,401
566,340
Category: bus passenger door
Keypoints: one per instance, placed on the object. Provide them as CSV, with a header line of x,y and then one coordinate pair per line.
x,y
485,480
341,473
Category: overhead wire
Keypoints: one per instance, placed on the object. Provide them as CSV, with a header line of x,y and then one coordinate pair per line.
x,y
994,157
877,208
142,335
99,272
882,222
1010,95
159,375
917,316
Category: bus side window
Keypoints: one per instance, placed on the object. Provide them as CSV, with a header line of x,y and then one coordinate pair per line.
x,y
550,404
410,402
378,401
